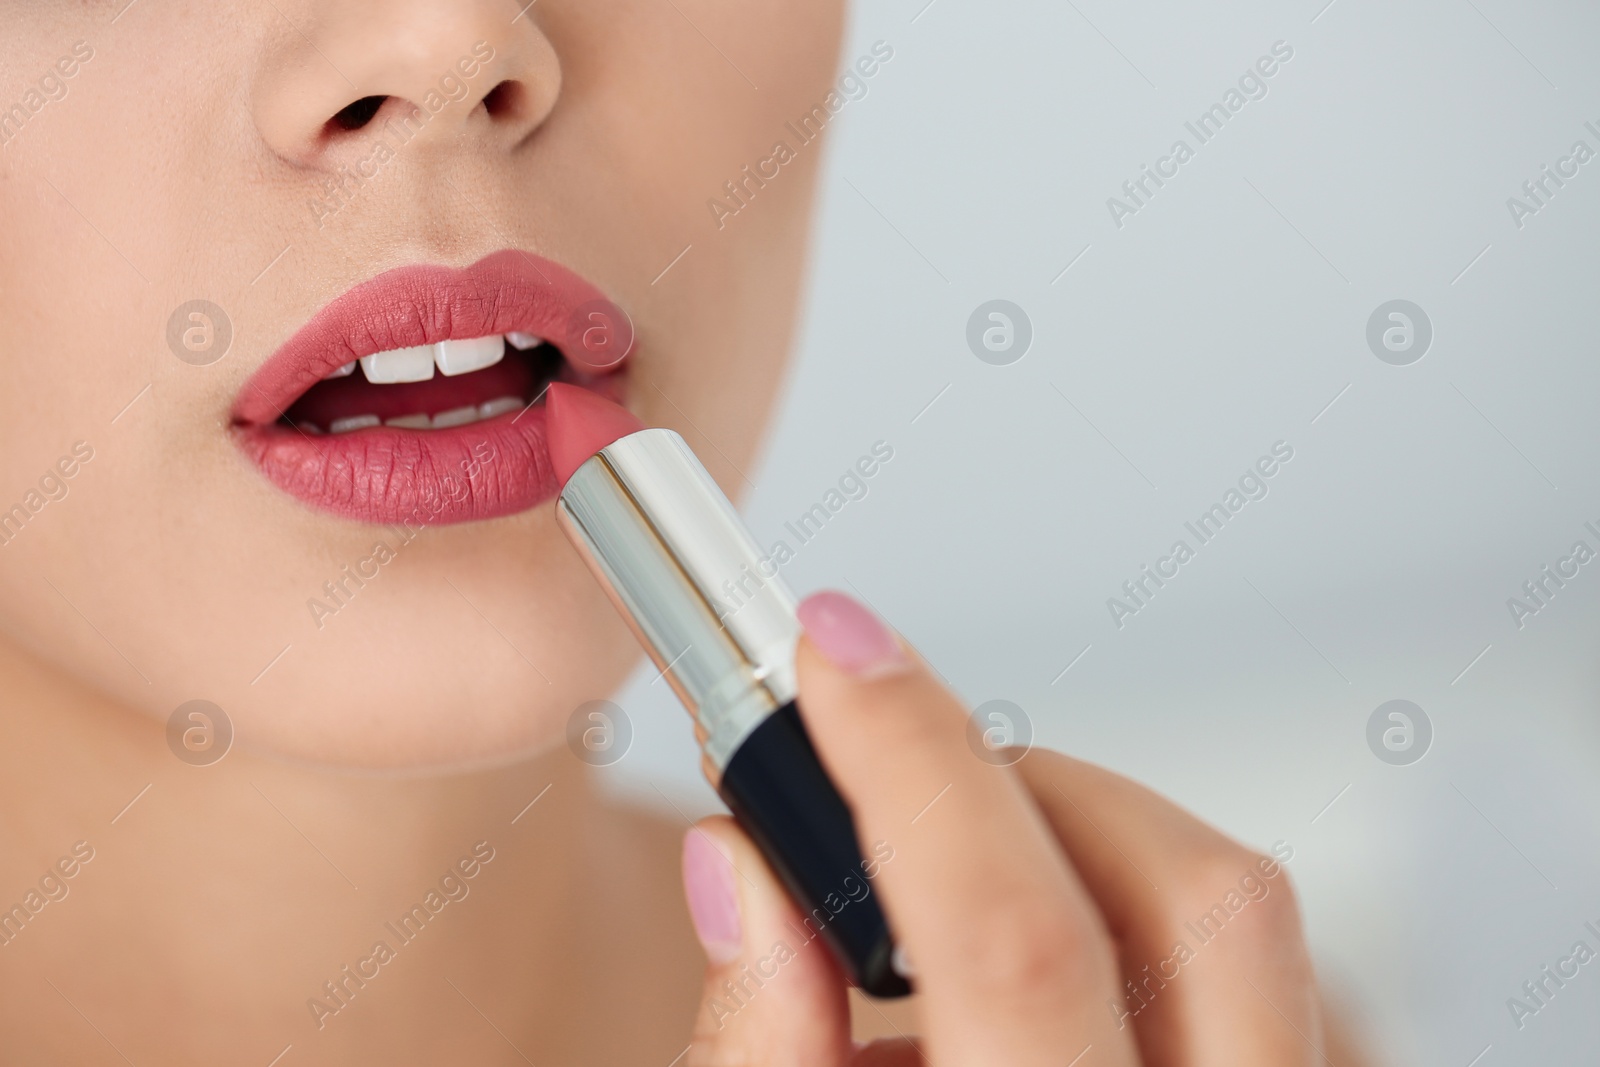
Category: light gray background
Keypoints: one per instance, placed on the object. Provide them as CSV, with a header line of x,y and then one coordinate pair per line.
x,y
1224,317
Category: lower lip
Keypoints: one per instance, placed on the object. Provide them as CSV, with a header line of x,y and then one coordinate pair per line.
x,y
386,475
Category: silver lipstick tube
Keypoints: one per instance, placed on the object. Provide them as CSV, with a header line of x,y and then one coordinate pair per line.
x,y
685,573
717,621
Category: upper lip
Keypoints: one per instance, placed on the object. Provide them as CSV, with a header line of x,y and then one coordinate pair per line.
x,y
507,291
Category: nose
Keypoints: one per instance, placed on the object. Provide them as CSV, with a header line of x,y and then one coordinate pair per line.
x,y
343,74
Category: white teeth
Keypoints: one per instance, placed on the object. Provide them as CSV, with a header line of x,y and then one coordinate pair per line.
x,y
455,417
352,422
499,406
464,357
342,372
462,416
399,365
416,364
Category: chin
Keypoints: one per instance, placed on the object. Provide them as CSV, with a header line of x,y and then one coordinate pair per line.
x,y
471,647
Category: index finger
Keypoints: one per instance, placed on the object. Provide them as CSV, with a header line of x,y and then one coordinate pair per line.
x,y
1010,954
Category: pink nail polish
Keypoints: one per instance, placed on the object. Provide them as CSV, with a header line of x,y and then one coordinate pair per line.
x,y
849,635
713,898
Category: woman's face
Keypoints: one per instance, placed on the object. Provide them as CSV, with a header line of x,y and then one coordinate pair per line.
x,y
171,529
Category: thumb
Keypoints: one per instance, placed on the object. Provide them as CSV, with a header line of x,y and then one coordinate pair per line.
x,y
773,995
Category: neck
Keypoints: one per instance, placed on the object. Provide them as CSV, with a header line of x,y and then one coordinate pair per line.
x,y
334,905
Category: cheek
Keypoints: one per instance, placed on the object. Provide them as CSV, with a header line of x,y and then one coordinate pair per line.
x,y
667,151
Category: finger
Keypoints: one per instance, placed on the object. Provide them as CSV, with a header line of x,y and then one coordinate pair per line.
x,y
773,997
1012,961
1207,931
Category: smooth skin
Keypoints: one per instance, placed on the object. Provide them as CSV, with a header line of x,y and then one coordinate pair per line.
x,y
192,157
184,159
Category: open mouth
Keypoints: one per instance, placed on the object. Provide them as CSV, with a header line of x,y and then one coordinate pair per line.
x,y
416,397
430,387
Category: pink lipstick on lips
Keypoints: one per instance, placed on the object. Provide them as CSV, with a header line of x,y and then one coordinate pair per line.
x,y
413,396
666,545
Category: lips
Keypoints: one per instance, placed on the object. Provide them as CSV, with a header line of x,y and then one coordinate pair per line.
x,y
395,440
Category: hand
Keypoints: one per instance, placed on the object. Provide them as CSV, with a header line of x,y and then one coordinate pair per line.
x,y
1054,913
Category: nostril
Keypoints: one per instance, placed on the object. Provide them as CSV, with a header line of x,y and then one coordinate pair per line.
x,y
356,115
504,103
505,100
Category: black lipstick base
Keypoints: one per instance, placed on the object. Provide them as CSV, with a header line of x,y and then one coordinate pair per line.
x,y
778,791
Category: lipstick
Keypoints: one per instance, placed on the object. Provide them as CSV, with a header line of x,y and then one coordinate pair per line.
x,y
446,470
665,544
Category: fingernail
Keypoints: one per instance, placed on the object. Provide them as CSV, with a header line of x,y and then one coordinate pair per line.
x,y
713,898
850,636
